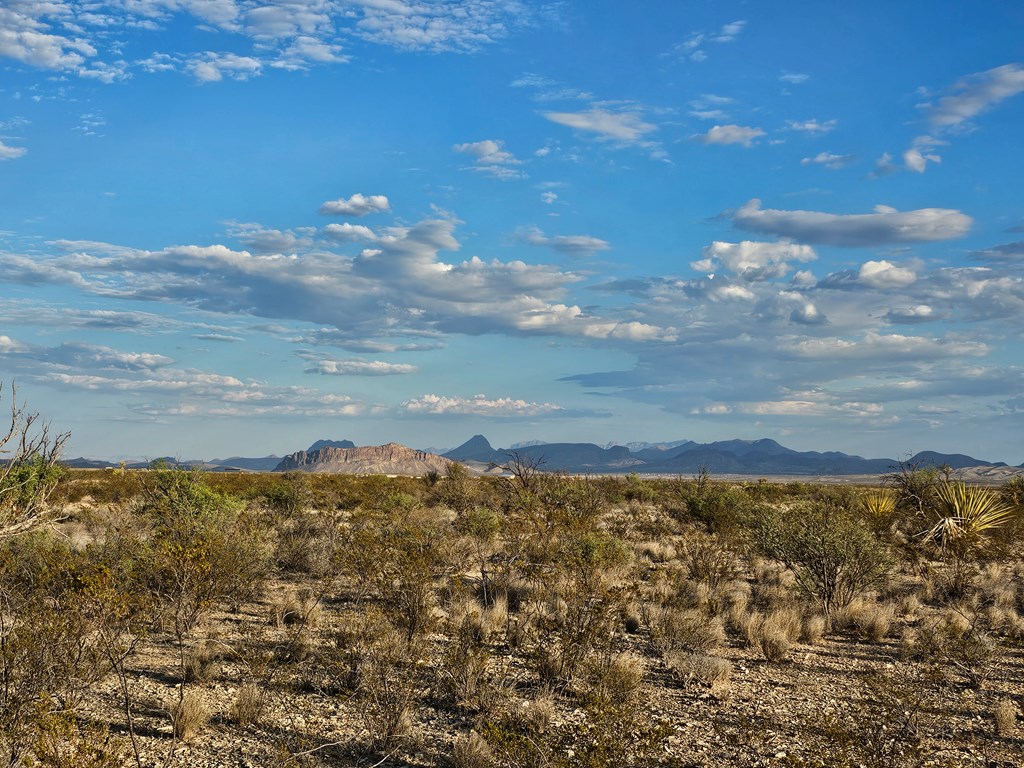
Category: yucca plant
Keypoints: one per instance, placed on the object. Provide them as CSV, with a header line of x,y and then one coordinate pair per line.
x,y
965,516
879,506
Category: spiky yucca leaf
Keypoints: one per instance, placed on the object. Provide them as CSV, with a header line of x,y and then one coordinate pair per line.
x,y
966,514
879,504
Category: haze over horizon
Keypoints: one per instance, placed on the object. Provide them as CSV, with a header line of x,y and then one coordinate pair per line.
x,y
228,227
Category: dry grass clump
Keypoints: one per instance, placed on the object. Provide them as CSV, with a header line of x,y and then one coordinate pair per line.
x,y
710,671
296,607
689,629
539,712
1004,715
248,705
656,551
813,628
773,634
472,751
201,662
873,621
616,679
189,715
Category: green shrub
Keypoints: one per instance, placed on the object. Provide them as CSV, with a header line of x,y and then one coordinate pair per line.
x,y
831,551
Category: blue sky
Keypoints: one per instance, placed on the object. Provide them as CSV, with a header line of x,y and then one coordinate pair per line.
x,y
234,227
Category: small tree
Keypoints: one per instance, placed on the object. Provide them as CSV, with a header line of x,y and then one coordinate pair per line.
x,y
28,469
833,554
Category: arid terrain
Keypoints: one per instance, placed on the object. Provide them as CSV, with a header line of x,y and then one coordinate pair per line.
x,y
184,619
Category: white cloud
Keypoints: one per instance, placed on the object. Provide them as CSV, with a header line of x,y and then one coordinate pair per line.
x,y
572,245
885,274
812,126
919,313
261,240
399,288
891,346
478,405
548,197
971,96
828,160
490,157
11,153
359,368
730,134
616,126
975,94
884,226
357,205
917,160
794,78
349,233
212,67
693,47
753,260
462,26
734,292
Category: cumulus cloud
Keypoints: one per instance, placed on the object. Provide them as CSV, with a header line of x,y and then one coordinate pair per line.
x,y
11,153
828,160
884,226
753,260
730,134
357,205
212,67
261,240
885,274
479,405
349,233
401,287
571,245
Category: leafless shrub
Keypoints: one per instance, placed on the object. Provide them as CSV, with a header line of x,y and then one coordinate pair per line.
x,y
709,559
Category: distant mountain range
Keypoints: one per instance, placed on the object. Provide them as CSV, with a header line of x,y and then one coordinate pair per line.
x,y
734,457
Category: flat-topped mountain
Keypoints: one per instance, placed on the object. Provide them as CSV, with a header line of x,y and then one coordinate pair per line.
x,y
390,459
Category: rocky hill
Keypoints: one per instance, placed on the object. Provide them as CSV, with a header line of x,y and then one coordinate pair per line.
x,y
390,459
